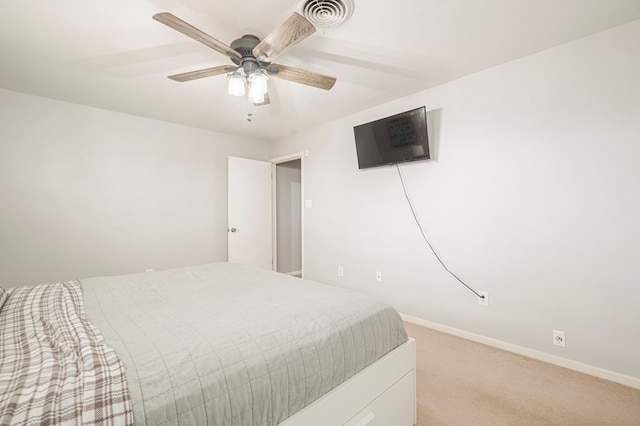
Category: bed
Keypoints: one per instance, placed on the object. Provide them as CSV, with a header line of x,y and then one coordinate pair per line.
x,y
215,344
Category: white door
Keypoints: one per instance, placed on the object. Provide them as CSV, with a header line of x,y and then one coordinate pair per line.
x,y
249,225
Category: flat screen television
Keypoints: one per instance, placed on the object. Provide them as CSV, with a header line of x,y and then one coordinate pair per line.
x,y
396,139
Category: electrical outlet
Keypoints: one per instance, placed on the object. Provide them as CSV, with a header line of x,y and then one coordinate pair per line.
x,y
483,301
559,339
340,271
378,276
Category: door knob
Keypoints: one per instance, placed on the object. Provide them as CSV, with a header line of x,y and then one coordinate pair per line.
x,y
232,229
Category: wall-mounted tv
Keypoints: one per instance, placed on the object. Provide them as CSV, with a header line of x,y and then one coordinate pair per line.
x,y
397,139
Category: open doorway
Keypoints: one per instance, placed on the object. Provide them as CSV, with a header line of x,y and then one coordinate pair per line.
x,y
288,190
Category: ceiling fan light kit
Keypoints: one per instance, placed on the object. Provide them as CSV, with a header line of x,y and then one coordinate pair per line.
x,y
253,58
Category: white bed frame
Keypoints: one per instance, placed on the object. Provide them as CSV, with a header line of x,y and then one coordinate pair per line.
x,y
382,394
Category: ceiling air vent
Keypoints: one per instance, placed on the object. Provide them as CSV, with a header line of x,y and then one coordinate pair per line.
x,y
326,13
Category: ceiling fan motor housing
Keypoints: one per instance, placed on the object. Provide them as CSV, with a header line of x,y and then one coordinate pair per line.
x,y
244,46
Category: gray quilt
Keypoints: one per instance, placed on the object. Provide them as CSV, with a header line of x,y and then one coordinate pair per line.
x,y
229,344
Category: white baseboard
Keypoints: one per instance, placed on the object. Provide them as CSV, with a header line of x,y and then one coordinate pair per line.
x,y
294,273
612,376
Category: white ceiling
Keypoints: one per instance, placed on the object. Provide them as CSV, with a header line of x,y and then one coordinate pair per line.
x,y
110,54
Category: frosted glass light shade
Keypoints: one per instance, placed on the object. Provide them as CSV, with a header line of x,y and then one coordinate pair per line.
x,y
256,95
257,87
259,79
236,85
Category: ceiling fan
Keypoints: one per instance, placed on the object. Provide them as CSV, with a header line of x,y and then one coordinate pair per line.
x,y
253,58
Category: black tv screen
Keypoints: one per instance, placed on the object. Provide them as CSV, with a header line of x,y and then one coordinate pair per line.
x,y
397,139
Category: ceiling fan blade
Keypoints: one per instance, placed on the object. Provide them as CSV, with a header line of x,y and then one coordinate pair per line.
x,y
207,72
301,76
288,34
266,101
190,31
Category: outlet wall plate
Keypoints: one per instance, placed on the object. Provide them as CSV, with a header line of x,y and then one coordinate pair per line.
x,y
559,338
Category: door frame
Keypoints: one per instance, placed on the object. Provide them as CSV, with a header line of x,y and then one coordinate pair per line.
x,y
274,162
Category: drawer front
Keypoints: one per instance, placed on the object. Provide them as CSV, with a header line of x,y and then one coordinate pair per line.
x,y
396,406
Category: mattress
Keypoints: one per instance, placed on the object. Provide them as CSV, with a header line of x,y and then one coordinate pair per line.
x,y
230,344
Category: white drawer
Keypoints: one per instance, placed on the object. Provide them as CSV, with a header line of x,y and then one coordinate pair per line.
x,y
396,406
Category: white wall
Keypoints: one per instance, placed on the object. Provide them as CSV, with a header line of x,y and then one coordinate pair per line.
x,y
87,192
533,195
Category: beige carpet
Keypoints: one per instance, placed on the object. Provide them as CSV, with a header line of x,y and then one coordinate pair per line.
x,y
461,382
